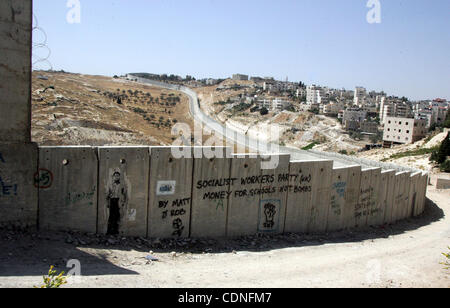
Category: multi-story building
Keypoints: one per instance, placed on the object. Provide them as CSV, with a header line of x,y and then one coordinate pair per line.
x,y
353,117
403,130
333,108
273,105
394,108
359,96
240,77
314,95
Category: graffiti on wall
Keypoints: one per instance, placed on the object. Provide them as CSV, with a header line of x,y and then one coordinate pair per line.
x,y
365,206
173,211
269,213
166,188
224,189
7,189
337,197
117,202
43,179
73,198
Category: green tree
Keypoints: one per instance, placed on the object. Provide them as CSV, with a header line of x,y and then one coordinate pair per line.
x,y
444,150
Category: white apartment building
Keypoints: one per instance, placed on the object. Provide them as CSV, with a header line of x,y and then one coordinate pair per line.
x,y
394,109
359,96
403,130
273,105
314,95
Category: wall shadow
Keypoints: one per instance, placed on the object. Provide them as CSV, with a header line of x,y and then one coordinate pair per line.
x,y
24,253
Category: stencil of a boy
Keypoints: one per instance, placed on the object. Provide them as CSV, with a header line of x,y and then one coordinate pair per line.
x,y
117,202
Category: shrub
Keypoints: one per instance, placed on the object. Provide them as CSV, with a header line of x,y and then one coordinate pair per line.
x,y
52,280
440,156
445,166
264,111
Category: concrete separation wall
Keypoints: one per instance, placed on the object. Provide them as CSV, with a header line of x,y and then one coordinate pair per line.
x,y
15,70
299,200
243,204
337,200
145,191
321,196
19,180
210,195
170,194
69,199
123,190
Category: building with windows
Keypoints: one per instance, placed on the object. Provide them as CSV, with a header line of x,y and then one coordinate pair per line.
x,y
403,130
353,117
240,77
273,105
315,95
359,96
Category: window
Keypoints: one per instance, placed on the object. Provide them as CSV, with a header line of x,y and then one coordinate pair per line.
x,y
407,131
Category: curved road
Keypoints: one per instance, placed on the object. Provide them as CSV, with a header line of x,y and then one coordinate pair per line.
x,y
258,145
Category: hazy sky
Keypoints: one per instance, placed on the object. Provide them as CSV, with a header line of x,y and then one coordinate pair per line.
x,y
326,42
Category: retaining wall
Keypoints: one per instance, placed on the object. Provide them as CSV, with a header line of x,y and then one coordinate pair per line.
x,y
145,191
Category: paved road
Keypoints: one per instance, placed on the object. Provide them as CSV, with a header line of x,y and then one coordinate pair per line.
x,y
259,145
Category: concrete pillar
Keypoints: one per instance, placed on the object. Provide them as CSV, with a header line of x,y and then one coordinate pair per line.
x,y
299,198
422,191
18,185
210,193
18,157
390,198
321,197
170,194
15,70
272,207
337,201
352,196
413,193
406,192
68,201
384,195
243,204
365,195
375,215
123,183
399,196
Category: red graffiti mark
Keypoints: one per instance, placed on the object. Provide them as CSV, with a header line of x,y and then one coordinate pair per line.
x,y
43,178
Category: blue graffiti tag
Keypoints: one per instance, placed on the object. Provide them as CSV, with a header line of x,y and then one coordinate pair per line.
x,y
7,190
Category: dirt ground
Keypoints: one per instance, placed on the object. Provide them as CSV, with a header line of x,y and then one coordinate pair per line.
x,y
407,254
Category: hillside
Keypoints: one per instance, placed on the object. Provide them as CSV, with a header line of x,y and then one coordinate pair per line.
x,y
74,109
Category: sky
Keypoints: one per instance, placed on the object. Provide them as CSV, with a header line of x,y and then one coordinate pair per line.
x,y
323,42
